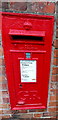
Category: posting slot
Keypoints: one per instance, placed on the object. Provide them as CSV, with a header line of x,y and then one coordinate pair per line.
x,y
24,36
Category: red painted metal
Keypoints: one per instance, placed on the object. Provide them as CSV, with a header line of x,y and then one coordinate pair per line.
x,y
28,33
27,39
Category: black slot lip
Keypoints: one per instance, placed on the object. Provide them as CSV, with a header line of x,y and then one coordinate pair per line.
x,y
34,38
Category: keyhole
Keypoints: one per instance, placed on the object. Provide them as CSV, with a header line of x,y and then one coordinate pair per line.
x,y
20,86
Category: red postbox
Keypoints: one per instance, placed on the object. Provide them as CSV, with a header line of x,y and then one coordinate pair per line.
x,y
27,43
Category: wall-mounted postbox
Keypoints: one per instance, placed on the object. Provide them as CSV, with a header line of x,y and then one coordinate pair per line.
x,y
27,41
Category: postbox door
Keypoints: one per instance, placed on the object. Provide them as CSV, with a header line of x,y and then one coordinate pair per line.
x,y
28,76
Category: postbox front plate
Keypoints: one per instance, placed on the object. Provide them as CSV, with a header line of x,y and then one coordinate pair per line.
x,y
27,43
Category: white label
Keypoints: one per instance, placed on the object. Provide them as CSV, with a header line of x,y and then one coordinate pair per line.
x,y
28,70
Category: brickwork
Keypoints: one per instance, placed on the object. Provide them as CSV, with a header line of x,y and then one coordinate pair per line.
x,y
49,8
